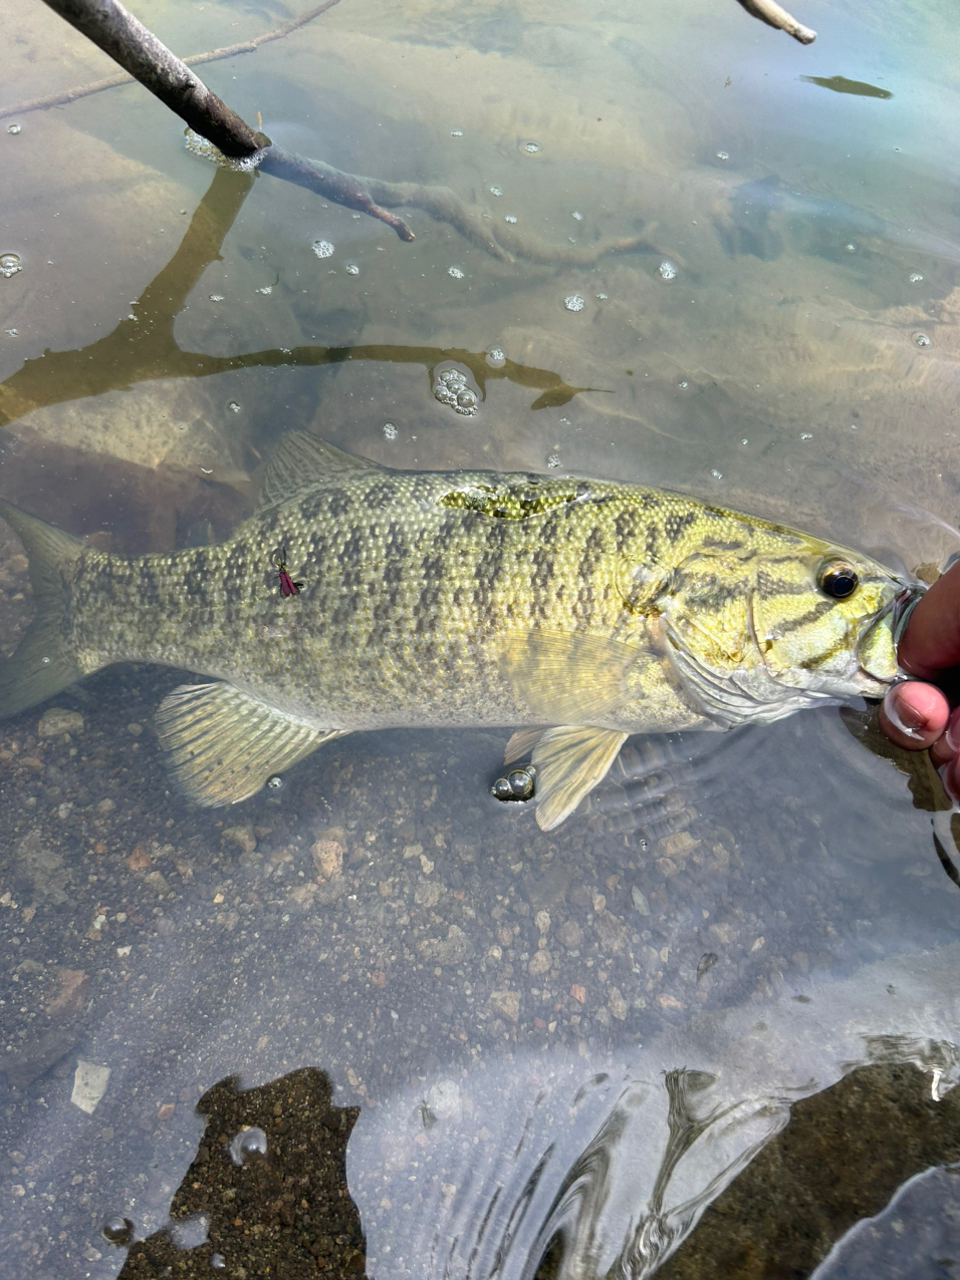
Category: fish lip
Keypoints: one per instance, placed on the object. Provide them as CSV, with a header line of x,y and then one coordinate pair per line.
x,y
896,613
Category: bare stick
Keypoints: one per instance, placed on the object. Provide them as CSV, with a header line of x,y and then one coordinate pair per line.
x,y
774,15
195,60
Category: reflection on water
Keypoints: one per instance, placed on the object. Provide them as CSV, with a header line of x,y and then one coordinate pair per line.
x,y
534,1049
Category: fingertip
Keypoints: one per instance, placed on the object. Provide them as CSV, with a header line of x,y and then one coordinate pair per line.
x,y
914,714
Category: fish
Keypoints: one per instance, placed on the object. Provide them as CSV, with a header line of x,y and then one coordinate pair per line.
x,y
573,611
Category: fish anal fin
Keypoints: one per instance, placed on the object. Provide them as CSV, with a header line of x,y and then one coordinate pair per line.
x,y
570,760
566,677
223,743
303,461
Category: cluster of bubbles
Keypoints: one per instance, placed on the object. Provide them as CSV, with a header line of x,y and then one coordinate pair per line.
x,y
455,272
573,302
456,133
920,339
267,288
510,218
13,128
207,151
496,357
668,270
450,387
234,406
529,147
915,277
553,461
723,155
390,431
518,784
322,248
9,265
216,297
496,191
352,269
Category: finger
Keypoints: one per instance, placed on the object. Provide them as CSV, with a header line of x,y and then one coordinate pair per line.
x,y
931,641
914,715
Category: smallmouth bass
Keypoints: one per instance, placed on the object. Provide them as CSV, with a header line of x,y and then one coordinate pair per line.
x,y
575,611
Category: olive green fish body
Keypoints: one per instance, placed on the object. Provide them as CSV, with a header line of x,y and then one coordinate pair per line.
x,y
585,610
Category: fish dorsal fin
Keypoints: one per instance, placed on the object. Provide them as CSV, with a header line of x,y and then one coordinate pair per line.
x,y
224,743
570,761
567,678
303,461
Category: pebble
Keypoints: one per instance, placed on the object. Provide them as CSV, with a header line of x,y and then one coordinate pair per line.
x,y
506,1003
58,721
328,858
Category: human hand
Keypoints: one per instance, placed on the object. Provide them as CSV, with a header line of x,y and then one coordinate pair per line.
x,y
917,714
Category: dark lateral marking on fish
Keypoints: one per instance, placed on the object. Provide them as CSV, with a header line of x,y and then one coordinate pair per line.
x,y
840,84
812,615
352,546
505,502
770,586
338,503
381,494
625,527
676,525
396,542
593,552
651,542
721,544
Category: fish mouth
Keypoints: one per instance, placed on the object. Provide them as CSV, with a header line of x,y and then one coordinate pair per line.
x,y
876,664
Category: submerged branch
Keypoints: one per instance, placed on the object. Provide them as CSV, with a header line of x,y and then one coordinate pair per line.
x,y
195,60
774,15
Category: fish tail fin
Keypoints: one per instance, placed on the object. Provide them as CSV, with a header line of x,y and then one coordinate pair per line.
x,y
43,663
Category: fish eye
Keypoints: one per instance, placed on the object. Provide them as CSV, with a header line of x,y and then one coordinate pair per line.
x,y
837,579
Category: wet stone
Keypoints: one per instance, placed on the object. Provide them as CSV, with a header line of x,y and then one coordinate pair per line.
x,y
58,721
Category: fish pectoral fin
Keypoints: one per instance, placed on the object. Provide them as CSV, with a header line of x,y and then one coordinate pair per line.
x,y
223,743
303,461
570,761
565,677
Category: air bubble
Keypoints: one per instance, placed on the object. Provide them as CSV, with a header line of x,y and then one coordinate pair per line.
x,y
920,339
455,272
44,661
252,1141
915,277
717,475
496,358
744,442
456,389
573,302
118,1230
530,147
14,333
668,270
13,128
806,435
577,214
850,248
352,269
9,264
456,133
511,218
683,385
496,191
389,431
234,406
602,296
723,155
553,461
216,297
275,783
322,248
218,1261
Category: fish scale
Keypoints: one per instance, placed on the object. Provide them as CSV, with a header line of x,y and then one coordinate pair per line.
x,y
577,611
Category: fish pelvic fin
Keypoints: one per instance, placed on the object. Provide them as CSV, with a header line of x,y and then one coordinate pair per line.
x,y
223,743
570,761
43,663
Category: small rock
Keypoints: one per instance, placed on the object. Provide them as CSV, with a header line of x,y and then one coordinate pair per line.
x,y
106,806
579,993
570,935
58,721
724,933
242,836
616,1004
540,963
506,1003
640,901
679,845
74,988
328,858
156,881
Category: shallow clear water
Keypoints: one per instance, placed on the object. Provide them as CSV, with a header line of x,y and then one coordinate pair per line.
x,y
561,1045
